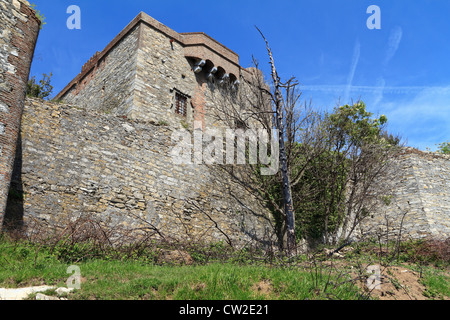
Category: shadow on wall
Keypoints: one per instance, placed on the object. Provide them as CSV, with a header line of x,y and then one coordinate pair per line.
x,y
254,217
13,221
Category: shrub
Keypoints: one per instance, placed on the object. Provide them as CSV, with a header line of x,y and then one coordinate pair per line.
x,y
430,251
444,147
40,90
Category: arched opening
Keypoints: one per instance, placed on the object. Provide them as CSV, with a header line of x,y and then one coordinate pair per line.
x,y
210,70
234,80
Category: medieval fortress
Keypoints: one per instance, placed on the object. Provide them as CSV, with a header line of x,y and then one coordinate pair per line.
x,y
103,150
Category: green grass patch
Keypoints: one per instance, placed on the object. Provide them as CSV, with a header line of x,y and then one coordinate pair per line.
x,y
24,264
112,280
437,284
217,273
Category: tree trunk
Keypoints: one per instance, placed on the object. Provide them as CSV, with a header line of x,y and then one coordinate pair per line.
x,y
291,242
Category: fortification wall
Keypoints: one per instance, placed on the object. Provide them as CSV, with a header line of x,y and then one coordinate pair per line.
x,y
107,83
19,30
420,203
75,162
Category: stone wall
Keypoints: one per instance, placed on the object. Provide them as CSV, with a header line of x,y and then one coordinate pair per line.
x,y
107,82
161,69
420,202
19,30
75,162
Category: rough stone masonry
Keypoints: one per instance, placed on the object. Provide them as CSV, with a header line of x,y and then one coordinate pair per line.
x,y
104,153
419,205
74,162
19,30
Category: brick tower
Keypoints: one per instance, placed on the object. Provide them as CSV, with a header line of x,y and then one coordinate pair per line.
x,y
19,32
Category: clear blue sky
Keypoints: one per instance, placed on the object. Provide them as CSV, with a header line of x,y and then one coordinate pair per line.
x,y
401,70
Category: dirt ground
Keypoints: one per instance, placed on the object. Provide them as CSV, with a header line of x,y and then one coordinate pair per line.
x,y
397,283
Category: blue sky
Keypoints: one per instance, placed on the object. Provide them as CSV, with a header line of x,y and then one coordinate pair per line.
x,y
401,70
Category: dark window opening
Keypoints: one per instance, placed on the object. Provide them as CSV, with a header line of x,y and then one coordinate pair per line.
x,y
180,104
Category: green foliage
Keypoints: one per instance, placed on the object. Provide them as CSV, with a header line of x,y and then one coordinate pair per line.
x,y
387,200
349,130
354,124
39,15
320,205
184,124
22,263
163,123
41,90
75,252
349,144
437,284
444,147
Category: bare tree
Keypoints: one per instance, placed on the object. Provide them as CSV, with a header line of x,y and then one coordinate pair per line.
x,y
279,115
330,163
274,106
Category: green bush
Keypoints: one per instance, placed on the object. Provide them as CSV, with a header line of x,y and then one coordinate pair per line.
x,y
444,147
42,90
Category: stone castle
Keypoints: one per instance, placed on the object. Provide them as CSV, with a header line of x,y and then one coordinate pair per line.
x,y
103,150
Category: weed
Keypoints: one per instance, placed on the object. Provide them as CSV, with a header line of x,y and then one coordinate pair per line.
x,y
163,123
184,124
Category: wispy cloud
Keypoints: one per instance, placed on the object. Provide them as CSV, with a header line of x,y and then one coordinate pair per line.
x,y
393,43
420,114
379,88
355,61
423,119
339,89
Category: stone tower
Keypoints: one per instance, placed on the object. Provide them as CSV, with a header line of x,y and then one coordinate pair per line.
x,y
148,66
19,32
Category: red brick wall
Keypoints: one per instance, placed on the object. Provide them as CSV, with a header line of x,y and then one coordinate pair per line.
x,y
199,104
18,48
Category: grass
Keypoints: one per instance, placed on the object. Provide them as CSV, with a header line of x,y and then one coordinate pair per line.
x,y
437,284
24,264
119,277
